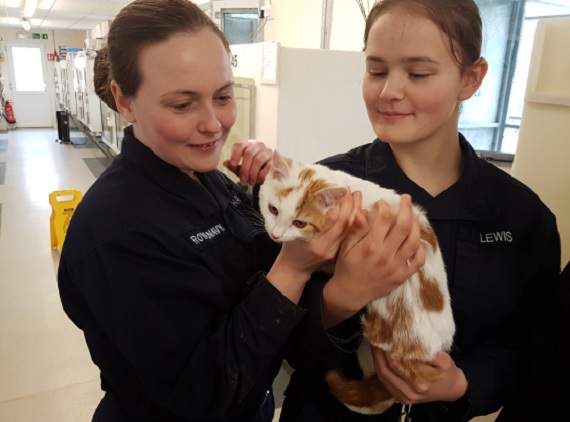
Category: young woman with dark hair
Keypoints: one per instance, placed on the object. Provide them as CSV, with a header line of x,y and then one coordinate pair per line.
x,y
499,241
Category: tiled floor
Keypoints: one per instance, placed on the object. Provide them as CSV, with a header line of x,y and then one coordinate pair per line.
x,y
45,370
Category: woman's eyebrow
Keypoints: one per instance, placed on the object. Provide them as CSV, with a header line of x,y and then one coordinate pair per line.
x,y
414,59
191,93
181,92
226,86
420,59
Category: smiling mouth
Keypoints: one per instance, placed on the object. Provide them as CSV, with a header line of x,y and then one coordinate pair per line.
x,y
392,114
205,146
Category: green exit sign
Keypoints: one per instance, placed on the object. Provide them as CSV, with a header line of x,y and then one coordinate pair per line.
x,y
38,36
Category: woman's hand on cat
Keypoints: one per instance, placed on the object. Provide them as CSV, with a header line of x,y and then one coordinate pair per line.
x,y
250,161
375,257
451,386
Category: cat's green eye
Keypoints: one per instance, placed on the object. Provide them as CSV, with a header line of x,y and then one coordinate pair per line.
x,y
299,224
273,210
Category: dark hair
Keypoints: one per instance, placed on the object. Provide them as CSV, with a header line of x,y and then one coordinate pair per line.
x,y
458,19
139,24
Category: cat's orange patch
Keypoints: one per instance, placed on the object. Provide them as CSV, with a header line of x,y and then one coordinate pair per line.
x,y
367,392
401,319
427,234
379,330
306,175
376,329
413,366
430,293
407,356
317,186
282,193
307,209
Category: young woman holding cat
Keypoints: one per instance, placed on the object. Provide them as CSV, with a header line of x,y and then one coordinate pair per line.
x,y
499,242
162,268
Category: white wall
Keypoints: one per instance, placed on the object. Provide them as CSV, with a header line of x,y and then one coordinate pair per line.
x,y
298,24
347,27
542,161
543,153
249,59
321,111
57,38
295,23
315,109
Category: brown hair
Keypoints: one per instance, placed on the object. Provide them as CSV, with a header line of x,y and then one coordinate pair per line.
x,y
458,19
139,24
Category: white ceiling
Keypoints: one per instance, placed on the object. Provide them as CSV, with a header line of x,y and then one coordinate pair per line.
x,y
64,14
61,14
85,14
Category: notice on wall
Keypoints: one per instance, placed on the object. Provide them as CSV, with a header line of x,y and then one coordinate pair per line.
x,y
270,63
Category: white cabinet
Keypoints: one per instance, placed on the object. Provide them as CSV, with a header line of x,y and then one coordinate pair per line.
x,y
88,104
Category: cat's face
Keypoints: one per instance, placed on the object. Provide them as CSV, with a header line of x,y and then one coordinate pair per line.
x,y
294,201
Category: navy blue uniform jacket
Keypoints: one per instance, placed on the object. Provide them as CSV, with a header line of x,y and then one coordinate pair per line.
x,y
543,390
164,274
502,254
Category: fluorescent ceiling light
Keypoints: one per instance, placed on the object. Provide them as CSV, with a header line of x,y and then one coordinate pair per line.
x,y
26,24
30,8
10,20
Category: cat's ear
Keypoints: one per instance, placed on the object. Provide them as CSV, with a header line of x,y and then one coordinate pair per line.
x,y
329,197
280,166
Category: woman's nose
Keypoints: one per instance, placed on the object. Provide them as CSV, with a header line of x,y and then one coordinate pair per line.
x,y
209,121
393,88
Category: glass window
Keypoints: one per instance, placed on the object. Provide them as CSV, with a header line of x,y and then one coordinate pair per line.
x,y
492,118
28,69
241,26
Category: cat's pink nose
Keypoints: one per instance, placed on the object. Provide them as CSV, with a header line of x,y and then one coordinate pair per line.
x,y
275,235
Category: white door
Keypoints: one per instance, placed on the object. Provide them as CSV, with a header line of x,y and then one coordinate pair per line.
x,y
32,105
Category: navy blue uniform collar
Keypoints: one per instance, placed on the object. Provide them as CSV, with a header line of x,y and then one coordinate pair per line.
x,y
465,200
208,197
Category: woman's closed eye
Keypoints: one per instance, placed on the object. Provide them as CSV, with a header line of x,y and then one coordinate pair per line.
x,y
224,99
377,73
419,75
181,107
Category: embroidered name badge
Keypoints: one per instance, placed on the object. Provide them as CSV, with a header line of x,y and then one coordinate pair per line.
x,y
496,237
207,235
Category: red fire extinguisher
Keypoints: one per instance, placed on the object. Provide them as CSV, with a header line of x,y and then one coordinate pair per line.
x,y
9,113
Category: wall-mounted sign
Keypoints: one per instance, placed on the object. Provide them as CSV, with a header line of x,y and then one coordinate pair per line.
x,y
39,36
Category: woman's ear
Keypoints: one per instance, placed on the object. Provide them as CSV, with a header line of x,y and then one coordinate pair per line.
x,y
472,79
124,104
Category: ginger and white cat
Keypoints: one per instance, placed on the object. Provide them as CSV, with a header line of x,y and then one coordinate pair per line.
x,y
411,324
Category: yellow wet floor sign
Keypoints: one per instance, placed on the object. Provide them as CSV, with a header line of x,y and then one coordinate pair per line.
x,y
63,204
